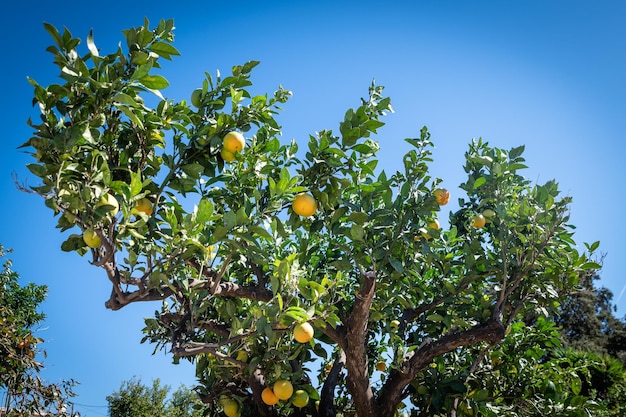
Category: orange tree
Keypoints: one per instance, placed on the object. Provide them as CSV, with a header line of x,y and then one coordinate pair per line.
x,y
173,213
22,391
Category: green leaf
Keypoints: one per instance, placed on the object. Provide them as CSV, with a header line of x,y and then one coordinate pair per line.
x,y
516,152
38,170
164,50
396,264
54,33
479,181
230,220
155,82
132,116
135,183
356,232
437,318
204,211
358,217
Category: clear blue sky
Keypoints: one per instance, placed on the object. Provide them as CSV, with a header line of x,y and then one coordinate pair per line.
x,y
547,74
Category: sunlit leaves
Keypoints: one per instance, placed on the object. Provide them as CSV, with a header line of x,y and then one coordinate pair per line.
x,y
236,269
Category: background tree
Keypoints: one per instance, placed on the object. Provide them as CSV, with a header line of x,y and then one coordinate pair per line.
x,y
588,321
253,246
24,393
134,399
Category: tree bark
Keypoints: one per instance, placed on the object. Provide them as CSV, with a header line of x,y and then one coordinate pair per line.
x,y
358,382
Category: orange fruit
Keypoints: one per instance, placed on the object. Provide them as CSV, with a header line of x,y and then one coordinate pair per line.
x,y
233,142
230,406
381,366
108,200
303,332
91,238
227,155
145,206
478,221
442,196
269,397
283,389
304,205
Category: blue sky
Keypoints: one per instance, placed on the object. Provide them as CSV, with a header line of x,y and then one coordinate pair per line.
x,y
546,74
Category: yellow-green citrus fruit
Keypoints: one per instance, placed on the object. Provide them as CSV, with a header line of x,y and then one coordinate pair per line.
x,y
381,366
304,205
230,406
300,398
196,97
489,215
227,155
442,196
145,206
91,238
478,221
283,389
110,201
269,397
395,323
242,356
233,142
434,224
303,332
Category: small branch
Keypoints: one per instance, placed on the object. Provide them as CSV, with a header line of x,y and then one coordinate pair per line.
x,y
327,394
121,298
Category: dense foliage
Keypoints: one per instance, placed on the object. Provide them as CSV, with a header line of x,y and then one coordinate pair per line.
x,y
588,320
403,310
135,399
23,391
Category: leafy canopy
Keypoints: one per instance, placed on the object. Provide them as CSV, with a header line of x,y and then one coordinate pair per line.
x,y
236,269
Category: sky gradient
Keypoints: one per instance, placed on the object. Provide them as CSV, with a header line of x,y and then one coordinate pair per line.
x,y
546,74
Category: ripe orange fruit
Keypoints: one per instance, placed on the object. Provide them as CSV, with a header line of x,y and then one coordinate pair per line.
x,y
478,221
303,332
283,389
304,205
381,366
442,196
233,142
269,397
145,206
227,155
300,398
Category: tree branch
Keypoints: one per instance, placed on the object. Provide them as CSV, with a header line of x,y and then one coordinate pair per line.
x,y
120,299
327,394
391,393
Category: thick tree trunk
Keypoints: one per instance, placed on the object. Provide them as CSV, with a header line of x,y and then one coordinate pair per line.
x,y
358,381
